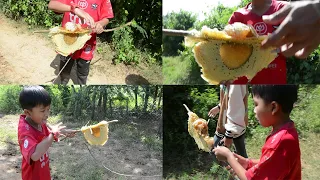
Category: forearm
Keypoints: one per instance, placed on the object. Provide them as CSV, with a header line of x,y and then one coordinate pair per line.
x,y
42,148
59,7
104,22
237,168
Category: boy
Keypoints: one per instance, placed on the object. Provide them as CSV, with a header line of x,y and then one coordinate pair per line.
x,y
93,13
276,72
33,134
280,158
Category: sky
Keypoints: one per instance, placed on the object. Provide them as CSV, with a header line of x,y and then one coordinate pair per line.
x,y
198,7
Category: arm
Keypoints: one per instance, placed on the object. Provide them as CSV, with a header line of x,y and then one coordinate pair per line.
x,y
235,165
59,7
42,148
104,22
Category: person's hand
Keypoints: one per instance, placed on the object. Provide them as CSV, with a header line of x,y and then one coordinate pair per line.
x,y
227,142
98,28
84,15
241,160
213,112
56,129
222,153
299,31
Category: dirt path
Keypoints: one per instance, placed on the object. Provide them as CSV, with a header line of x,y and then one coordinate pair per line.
x,y
70,159
27,58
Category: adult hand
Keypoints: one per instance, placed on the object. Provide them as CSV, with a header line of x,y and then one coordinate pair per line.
x,y
213,112
299,32
227,142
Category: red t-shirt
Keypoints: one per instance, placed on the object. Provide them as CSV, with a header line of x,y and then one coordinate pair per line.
x,y
280,158
276,73
29,138
98,10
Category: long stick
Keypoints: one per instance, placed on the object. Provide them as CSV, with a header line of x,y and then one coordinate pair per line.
x,y
106,30
173,32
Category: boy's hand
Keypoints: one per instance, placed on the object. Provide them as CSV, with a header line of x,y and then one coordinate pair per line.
x,y
242,161
84,15
222,153
98,28
56,129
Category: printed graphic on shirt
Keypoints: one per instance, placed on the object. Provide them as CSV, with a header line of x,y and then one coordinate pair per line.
x,y
27,127
261,28
94,6
83,4
76,19
44,159
25,143
88,49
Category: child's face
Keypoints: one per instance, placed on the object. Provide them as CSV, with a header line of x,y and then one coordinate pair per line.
x,y
263,111
39,114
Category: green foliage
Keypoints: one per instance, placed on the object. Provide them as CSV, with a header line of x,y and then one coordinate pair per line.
x,y
304,71
243,3
33,12
218,17
182,20
9,99
145,33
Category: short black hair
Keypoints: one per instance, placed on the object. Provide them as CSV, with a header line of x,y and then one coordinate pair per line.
x,y
32,96
285,95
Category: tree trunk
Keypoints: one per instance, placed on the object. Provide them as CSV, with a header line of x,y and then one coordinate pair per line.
x,y
105,101
127,106
160,97
136,97
146,98
99,106
110,106
155,98
93,102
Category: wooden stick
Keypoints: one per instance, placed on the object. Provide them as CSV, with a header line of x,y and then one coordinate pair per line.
x,y
117,28
112,121
173,32
106,30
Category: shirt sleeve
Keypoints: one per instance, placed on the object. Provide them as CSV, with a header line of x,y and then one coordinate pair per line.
x,y
234,18
67,2
106,10
28,146
235,125
274,164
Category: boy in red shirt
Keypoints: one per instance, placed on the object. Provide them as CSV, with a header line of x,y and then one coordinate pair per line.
x,y
88,13
33,134
252,13
280,158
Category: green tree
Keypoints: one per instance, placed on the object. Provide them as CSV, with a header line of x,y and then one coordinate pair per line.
x,y
182,20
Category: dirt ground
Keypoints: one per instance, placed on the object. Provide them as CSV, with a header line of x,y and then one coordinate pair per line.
x,y
27,58
124,153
